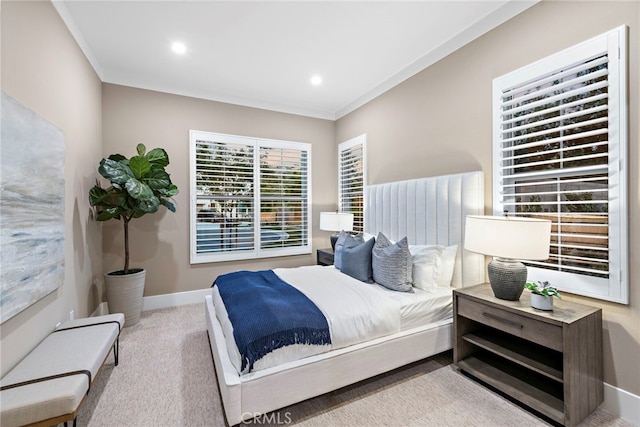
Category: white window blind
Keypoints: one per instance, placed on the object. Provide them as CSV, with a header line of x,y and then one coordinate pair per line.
x,y
283,197
250,197
352,179
559,151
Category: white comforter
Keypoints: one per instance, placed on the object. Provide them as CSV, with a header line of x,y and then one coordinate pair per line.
x,y
355,312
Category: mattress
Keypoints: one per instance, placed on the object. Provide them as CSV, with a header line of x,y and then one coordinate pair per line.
x,y
356,312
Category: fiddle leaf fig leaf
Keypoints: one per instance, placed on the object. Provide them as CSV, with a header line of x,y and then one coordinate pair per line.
x,y
158,179
117,157
168,205
141,149
138,190
97,196
149,206
140,166
115,171
108,214
168,191
158,156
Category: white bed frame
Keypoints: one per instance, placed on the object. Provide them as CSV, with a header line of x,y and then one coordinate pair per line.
x,y
427,211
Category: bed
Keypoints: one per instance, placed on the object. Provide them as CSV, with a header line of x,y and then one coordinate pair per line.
x,y
429,211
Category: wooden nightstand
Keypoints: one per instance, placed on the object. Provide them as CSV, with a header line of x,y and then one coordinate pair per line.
x,y
325,256
549,361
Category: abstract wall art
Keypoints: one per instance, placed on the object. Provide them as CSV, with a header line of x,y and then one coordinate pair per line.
x,y
32,222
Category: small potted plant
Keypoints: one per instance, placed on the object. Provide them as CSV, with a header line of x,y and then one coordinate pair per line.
x,y
542,294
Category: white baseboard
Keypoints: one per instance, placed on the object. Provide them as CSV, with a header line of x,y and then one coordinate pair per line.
x,y
102,309
173,300
621,403
618,402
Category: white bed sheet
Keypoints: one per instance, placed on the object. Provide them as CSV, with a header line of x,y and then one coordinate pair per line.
x,y
356,312
422,306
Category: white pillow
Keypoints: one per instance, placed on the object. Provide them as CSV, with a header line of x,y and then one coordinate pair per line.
x,y
426,265
448,265
366,236
432,265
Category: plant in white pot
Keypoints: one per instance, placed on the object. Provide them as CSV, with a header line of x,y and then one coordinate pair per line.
x,y
542,294
139,186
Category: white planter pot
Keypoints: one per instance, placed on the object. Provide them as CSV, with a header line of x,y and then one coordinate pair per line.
x,y
541,302
124,295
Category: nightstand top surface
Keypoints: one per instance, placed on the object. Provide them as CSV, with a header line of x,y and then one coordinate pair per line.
x,y
563,311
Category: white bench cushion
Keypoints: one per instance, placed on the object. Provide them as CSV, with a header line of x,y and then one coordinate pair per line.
x,y
65,350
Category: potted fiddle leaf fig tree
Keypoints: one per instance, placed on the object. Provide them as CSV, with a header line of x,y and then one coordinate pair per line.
x,y
138,186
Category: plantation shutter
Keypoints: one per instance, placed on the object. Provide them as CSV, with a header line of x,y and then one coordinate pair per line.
x,y
250,197
283,197
351,179
224,196
558,152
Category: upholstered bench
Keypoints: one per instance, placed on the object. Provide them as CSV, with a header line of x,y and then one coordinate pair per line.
x,y
48,386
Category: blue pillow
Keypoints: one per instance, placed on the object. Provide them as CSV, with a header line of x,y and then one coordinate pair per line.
x,y
345,240
356,261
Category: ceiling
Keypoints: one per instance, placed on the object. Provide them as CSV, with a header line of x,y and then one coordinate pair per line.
x,y
263,54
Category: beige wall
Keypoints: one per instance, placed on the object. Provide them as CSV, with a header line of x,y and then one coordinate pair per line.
x,y
439,121
43,68
160,242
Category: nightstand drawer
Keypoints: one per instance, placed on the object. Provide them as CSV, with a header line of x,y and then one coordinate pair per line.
x,y
325,256
543,333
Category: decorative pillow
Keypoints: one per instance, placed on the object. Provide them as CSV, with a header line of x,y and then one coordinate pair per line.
x,y
392,264
356,261
340,245
366,236
426,265
448,264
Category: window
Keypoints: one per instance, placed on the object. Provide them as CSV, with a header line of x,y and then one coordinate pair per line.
x,y
559,154
352,179
250,197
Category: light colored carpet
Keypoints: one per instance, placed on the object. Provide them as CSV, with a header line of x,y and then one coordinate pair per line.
x,y
165,378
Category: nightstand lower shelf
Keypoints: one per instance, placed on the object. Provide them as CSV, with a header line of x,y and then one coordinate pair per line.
x,y
515,384
524,353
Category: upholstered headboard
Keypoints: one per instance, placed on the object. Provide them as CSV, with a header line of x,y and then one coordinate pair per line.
x,y
430,211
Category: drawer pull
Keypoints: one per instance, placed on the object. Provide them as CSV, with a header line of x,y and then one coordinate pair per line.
x,y
503,320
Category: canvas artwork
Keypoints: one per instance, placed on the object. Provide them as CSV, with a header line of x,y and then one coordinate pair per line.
x,y
31,208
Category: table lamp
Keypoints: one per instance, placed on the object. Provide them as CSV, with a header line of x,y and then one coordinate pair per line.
x,y
508,239
336,222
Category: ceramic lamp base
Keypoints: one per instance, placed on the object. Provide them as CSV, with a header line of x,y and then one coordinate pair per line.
x,y
507,278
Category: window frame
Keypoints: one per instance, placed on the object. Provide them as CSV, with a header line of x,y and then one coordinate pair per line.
x,y
256,252
342,148
614,43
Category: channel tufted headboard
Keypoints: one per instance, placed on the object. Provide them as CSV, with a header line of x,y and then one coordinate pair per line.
x,y
430,211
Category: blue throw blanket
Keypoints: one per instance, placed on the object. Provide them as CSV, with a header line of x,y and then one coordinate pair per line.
x,y
268,313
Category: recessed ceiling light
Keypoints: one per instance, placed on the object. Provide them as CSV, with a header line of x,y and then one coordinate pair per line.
x,y
178,48
316,80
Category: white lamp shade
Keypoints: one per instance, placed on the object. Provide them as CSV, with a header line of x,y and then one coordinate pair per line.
x,y
508,237
336,221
